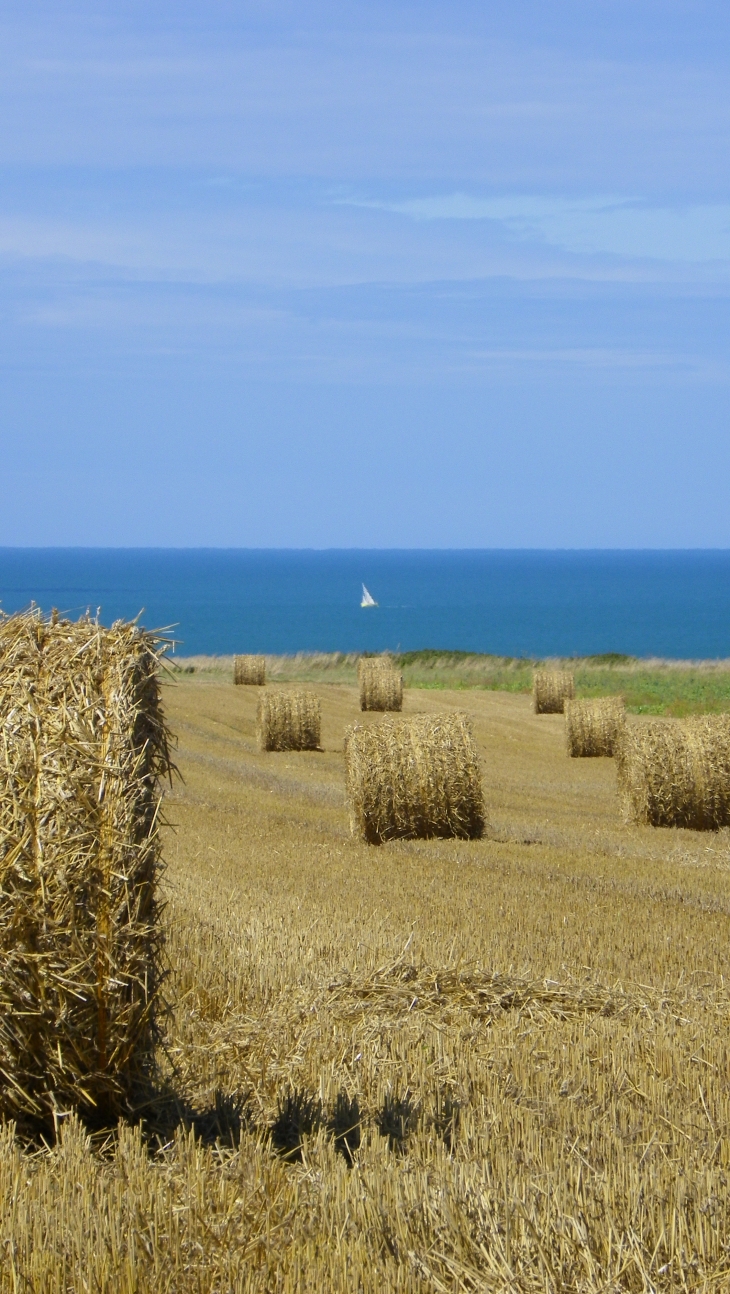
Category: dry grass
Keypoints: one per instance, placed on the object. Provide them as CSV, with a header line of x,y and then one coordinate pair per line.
x,y
592,726
677,773
84,746
551,689
440,1065
249,670
381,684
414,778
288,720
301,667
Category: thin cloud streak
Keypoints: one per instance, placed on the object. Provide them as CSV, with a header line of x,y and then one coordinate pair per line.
x,y
627,227
232,233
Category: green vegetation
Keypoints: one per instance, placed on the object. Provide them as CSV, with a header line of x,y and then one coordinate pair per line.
x,y
660,688
648,686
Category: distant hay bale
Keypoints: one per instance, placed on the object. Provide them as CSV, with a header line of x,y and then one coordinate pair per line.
x,y
84,748
551,689
592,726
676,773
288,720
381,684
250,670
415,777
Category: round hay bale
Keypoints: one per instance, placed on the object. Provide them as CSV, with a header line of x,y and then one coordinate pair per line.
x,y
381,684
676,773
551,689
415,777
592,726
249,670
85,746
288,720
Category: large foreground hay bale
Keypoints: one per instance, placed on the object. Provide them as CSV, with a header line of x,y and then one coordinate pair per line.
x,y
415,777
84,747
381,684
551,689
288,720
592,726
249,670
676,773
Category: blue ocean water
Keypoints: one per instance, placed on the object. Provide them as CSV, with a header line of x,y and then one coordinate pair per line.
x,y
510,602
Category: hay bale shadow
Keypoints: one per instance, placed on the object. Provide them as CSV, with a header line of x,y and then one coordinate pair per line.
x,y
344,1126
298,1115
396,1119
445,1118
221,1123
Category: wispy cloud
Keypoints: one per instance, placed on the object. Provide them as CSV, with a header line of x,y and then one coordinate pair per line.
x,y
669,365
616,226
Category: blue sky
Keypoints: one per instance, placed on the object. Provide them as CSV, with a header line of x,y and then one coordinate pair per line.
x,y
380,274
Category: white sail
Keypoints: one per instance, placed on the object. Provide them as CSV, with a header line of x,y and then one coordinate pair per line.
x,y
367,598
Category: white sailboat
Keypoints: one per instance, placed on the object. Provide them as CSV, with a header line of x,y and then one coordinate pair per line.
x,y
367,598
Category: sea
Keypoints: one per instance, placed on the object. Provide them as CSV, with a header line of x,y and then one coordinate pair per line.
x,y
507,602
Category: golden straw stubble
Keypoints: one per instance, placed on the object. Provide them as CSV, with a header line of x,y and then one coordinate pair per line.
x,y
381,684
249,670
288,720
592,725
85,746
550,690
414,777
676,773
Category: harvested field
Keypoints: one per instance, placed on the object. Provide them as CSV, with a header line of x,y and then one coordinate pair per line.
x,y
440,1065
593,725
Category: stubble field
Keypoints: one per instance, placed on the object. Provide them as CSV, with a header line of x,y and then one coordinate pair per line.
x,y
440,1065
